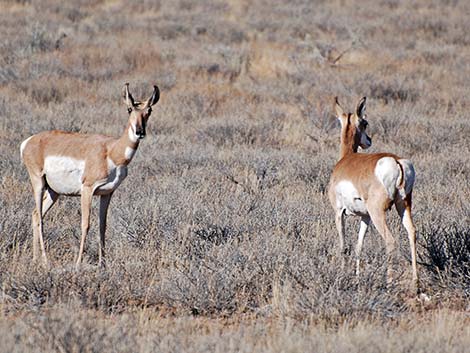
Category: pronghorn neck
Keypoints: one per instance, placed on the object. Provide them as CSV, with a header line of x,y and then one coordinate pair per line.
x,y
349,140
125,147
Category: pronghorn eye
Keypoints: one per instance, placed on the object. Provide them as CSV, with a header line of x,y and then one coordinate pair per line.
x,y
129,110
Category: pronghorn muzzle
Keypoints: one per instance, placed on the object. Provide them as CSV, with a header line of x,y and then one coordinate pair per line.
x,y
140,131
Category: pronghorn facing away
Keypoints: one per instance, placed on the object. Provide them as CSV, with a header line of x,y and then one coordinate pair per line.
x,y
73,164
367,185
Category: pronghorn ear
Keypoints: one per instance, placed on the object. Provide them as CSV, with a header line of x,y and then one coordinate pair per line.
x,y
154,98
127,97
338,110
361,107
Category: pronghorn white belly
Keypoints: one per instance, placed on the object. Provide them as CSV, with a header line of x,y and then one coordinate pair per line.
x,y
348,199
64,174
116,174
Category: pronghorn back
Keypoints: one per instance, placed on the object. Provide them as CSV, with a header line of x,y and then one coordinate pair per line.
x,y
357,168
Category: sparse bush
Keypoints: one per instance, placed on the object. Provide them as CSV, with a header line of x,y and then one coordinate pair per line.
x,y
448,250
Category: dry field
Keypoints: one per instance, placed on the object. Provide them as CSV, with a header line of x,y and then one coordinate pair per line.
x,y
222,238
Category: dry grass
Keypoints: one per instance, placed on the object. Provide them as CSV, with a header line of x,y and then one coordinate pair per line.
x,y
222,238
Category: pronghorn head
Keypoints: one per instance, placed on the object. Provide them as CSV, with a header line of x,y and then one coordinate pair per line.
x,y
354,125
139,112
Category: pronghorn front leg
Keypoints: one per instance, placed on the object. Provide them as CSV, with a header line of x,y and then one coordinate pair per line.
x,y
104,204
86,198
38,184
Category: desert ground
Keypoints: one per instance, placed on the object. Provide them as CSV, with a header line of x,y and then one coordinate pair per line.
x,y
222,237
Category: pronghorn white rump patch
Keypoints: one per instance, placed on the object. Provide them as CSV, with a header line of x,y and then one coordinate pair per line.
x,y
408,174
23,145
64,174
129,153
348,198
388,172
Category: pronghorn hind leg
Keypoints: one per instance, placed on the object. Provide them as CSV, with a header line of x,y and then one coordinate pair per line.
x,y
378,217
403,207
104,204
86,199
339,220
48,200
365,221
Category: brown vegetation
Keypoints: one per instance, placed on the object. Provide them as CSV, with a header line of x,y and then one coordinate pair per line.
x,y
222,238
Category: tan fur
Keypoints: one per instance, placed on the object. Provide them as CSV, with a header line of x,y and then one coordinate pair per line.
x,y
358,173
93,148
105,163
358,168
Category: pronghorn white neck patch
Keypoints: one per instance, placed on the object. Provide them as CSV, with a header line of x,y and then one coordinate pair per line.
x,y
129,153
111,164
114,179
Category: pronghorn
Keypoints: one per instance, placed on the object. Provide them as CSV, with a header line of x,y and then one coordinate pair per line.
x,y
367,185
74,164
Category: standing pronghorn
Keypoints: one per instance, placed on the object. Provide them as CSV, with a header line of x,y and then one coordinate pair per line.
x,y
73,164
367,185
